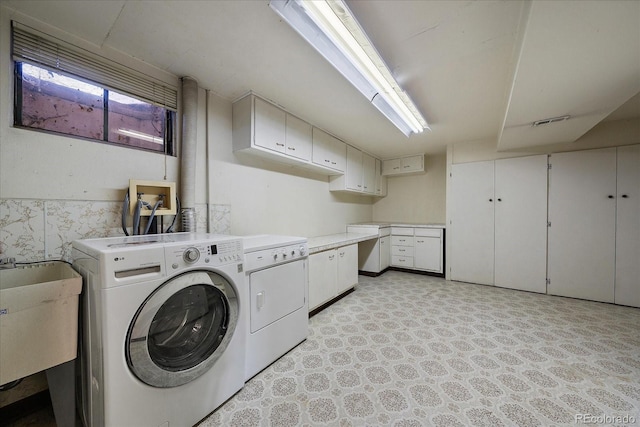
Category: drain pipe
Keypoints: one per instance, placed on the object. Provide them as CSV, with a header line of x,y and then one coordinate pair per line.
x,y
189,146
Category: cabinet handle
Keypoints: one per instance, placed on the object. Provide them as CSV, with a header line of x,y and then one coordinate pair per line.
x,y
342,254
291,148
491,200
625,196
331,256
327,161
406,166
420,241
279,144
397,167
333,163
610,196
499,200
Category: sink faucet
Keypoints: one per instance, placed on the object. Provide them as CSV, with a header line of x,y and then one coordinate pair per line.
x,y
7,263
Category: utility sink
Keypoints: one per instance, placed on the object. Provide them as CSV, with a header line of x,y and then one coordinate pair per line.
x,y
38,318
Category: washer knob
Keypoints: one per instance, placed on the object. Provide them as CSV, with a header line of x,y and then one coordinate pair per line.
x,y
191,255
302,250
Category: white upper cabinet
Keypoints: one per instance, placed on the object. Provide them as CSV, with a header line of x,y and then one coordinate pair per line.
x,y
368,174
263,129
270,126
403,165
329,152
298,138
381,180
353,175
360,174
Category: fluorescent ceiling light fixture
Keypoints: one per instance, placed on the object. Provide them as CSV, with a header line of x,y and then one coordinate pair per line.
x,y
333,31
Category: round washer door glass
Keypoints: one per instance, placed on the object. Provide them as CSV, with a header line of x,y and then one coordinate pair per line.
x,y
182,329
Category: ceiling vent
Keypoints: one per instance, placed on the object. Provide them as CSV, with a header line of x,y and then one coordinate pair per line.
x,y
549,121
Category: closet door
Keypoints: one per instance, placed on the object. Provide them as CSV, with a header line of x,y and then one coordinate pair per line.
x,y
582,212
472,222
627,286
521,223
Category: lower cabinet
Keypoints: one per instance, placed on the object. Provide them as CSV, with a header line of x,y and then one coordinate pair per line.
x,y
418,248
331,273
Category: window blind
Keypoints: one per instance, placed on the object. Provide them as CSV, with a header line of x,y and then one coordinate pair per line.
x,y
33,46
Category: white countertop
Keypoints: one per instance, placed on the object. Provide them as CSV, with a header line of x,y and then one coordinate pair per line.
x,y
332,241
398,224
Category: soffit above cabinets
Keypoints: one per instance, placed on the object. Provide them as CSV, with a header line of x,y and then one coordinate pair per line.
x,y
479,71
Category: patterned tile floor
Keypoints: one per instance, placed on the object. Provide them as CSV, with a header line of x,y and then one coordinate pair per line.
x,y
412,350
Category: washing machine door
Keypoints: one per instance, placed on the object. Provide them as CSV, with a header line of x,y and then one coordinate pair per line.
x,y
182,329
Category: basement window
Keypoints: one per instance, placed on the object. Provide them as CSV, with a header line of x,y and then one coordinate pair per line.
x,y
62,89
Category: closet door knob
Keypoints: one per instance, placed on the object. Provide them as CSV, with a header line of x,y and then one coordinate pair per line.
x,y
491,200
625,196
499,200
610,196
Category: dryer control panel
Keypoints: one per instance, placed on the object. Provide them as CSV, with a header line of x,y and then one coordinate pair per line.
x,y
208,254
274,256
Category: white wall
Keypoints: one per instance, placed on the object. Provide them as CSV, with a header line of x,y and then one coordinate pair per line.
x,y
38,165
268,197
415,198
55,189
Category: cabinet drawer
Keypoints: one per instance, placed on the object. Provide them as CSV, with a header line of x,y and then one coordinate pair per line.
x,y
402,240
402,251
429,232
402,231
402,261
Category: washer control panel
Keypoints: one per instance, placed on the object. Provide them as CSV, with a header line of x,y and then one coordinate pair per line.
x,y
203,254
270,257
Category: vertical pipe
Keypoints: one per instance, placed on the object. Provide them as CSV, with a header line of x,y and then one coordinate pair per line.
x,y
189,147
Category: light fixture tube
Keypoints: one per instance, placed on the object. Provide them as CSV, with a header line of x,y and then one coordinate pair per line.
x,y
331,29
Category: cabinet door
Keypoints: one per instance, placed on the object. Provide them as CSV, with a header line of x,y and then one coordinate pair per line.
x,y
391,166
347,268
368,174
472,226
428,249
627,286
428,253
582,212
521,223
328,151
385,252
322,277
353,175
269,130
337,153
298,138
412,164
381,180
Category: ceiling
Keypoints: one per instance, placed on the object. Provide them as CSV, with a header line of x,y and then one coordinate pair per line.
x,y
477,70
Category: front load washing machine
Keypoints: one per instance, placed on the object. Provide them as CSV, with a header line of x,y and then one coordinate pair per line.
x,y
163,327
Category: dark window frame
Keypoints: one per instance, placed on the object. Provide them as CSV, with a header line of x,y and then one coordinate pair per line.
x,y
169,120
